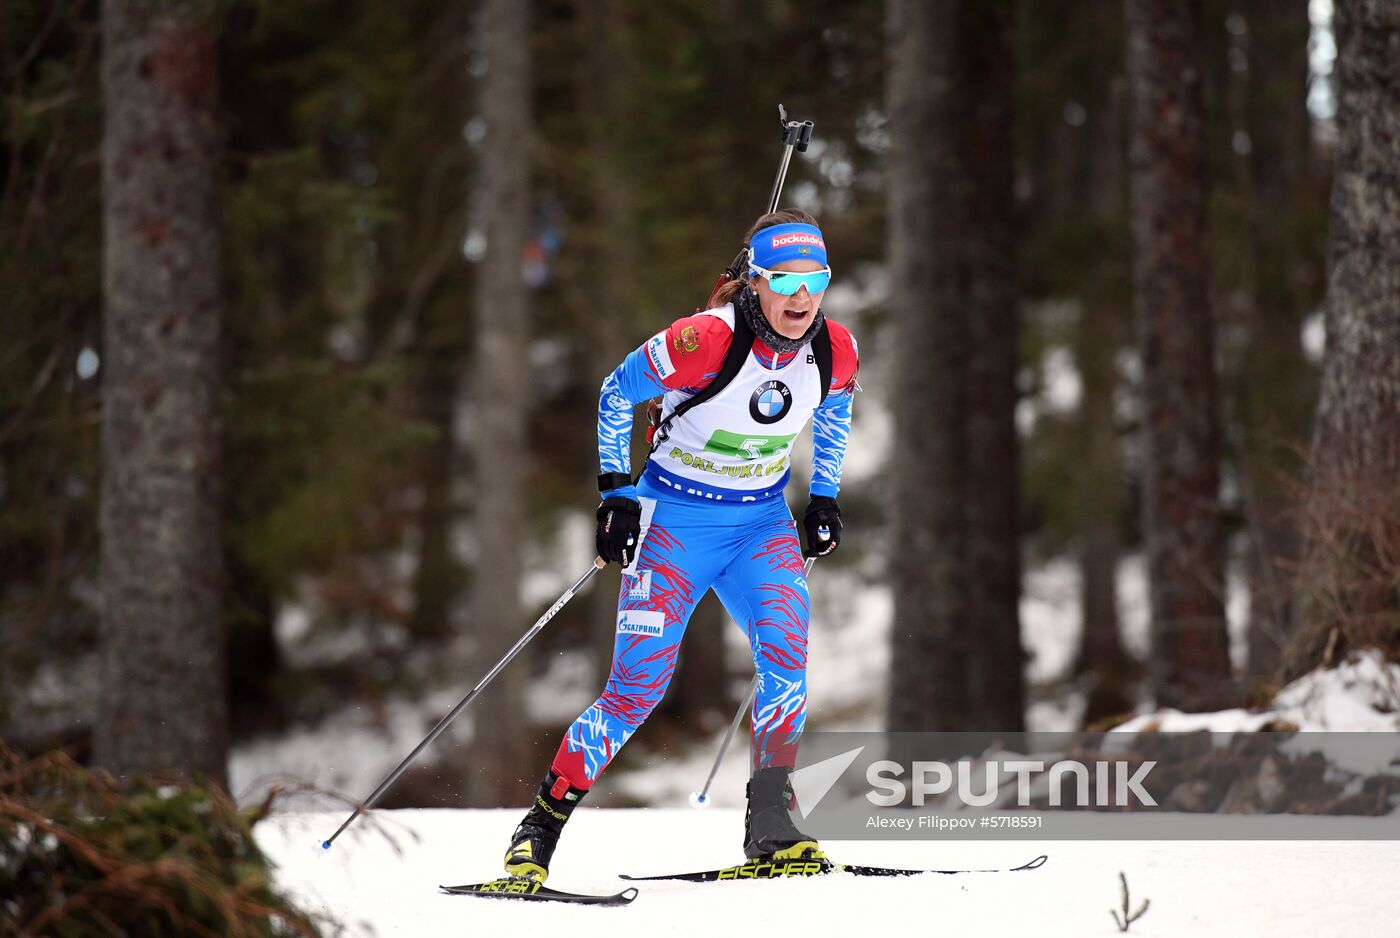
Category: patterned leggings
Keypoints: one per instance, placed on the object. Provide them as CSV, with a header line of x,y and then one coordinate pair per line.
x,y
749,555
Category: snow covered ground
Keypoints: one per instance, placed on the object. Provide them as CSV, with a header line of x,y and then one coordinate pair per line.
x,y
380,878
384,882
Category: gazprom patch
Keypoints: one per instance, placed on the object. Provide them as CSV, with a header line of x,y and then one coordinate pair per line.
x,y
641,622
660,356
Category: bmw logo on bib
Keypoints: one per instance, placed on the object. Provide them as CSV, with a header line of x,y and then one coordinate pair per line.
x,y
770,402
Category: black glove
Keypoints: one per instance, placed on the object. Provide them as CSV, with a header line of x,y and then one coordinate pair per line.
x,y
619,529
822,523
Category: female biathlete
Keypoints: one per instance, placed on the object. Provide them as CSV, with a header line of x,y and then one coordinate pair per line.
x,y
708,513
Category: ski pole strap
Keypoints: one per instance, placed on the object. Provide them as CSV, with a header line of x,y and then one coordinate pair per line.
x,y
608,481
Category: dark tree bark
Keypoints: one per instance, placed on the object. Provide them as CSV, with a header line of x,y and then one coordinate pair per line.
x,y
1102,332
437,577
252,657
991,304
163,703
431,287
1190,665
957,663
1351,574
501,747
1273,412
927,206
1101,654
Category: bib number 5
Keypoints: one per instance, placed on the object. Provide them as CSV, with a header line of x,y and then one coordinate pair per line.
x,y
752,448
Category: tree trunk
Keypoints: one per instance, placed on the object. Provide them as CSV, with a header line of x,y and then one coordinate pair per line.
x,y
997,692
1190,665
1273,412
927,201
1351,574
1101,653
252,657
163,703
501,746
1101,334
957,662
437,578
425,279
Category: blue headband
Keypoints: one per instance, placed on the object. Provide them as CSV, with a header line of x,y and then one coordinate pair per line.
x,y
792,241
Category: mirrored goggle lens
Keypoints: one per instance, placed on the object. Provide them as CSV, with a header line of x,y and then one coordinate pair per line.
x,y
789,283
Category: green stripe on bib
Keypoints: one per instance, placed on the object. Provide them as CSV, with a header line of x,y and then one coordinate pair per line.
x,y
740,446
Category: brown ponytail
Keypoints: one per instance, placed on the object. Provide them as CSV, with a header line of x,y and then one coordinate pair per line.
x,y
727,289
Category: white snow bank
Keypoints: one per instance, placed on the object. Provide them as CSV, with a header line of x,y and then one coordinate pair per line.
x,y
1329,706
1360,695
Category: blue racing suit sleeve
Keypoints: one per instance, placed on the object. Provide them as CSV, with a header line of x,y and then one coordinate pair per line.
x,y
631,382
831,426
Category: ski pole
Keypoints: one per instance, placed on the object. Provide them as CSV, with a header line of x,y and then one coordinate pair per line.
x,y
701,798
598,564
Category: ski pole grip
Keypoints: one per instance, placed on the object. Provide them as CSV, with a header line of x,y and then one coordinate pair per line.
x,y
796,134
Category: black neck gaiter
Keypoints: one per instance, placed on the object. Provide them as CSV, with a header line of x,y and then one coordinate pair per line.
x,y
747,305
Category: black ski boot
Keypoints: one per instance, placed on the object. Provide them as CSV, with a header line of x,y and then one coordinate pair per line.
x,y
532,844
769,833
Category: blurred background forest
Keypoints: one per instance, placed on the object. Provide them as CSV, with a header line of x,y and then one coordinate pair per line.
x,y
343,328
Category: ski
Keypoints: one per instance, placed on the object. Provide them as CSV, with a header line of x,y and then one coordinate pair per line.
x,y
523,887
771,869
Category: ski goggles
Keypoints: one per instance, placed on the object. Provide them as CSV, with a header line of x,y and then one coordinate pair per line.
x,y
788,282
